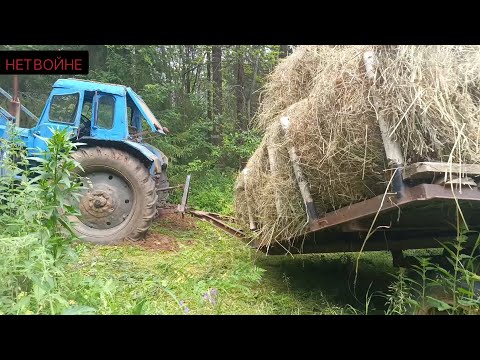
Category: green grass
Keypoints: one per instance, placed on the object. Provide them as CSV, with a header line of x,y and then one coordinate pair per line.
x,y
210,190
146,281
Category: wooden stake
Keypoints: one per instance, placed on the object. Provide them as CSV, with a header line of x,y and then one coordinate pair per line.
x,y
272,159
392,148
302,183
247,199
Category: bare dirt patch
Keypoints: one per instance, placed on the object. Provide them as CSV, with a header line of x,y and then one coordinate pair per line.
x,y
156,241
176,222
161,242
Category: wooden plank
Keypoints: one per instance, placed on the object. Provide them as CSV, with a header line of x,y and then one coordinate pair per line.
x,y
427,170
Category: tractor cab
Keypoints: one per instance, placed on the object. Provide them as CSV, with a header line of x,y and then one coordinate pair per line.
x,y
94,110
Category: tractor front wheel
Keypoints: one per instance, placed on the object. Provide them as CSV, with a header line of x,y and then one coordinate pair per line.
x,y
119,202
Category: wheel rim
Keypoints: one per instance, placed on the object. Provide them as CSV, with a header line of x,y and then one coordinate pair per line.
x,y
107,202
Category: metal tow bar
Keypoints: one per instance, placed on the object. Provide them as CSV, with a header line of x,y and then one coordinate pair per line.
x,y
215,219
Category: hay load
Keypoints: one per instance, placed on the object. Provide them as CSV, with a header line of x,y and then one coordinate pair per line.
x,y
427,95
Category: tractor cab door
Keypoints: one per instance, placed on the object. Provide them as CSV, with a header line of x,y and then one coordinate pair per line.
x,y
62,111
145,112
103,115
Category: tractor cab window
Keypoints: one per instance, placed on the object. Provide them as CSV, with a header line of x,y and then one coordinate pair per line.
x,y
85,119
106,109
87,109
63,108
129,116
134,127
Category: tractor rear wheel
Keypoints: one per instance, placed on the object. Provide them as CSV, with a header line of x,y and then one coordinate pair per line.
x,y
120,200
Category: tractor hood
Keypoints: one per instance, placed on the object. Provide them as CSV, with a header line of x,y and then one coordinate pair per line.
x,y
146,112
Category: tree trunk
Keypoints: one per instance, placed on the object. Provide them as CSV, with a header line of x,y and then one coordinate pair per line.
x,y
188,51
97,55
197,68
283,51
167,69
197,73
183,68
217,92
252,89
134,71
240,90
209,87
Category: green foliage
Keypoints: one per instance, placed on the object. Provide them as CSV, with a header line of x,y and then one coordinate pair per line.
x,y
452,287
210,189
35,241
211,273
57,183
399,298
238,147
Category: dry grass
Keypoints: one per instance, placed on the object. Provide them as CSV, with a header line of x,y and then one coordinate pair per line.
x,y
429,98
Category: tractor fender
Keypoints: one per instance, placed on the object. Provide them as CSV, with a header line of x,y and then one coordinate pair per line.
x,y
159,154
152,161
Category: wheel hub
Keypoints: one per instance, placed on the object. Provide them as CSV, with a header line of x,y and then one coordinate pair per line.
x,y
107,202
99,203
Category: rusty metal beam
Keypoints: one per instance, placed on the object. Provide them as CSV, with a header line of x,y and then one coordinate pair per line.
x,y
171,187
370,207
334,242
215,220
167,211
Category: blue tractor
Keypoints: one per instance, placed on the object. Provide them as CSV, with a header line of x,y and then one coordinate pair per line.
x,y
127,177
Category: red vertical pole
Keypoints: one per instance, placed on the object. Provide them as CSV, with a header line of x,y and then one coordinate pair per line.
x,y
15,102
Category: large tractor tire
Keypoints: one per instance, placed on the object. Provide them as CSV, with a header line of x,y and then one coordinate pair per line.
x,y
120,200
162,183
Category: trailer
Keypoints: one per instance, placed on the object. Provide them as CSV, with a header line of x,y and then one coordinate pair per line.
x,y
416,216
424,205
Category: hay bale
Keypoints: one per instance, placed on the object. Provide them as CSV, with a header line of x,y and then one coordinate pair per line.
x,y
431,102
429,97
290,82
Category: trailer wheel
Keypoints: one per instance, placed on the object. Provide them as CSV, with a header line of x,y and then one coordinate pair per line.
x,y
119,202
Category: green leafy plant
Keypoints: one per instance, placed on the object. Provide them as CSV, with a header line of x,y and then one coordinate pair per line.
x,y
36,237
399,297
451,288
